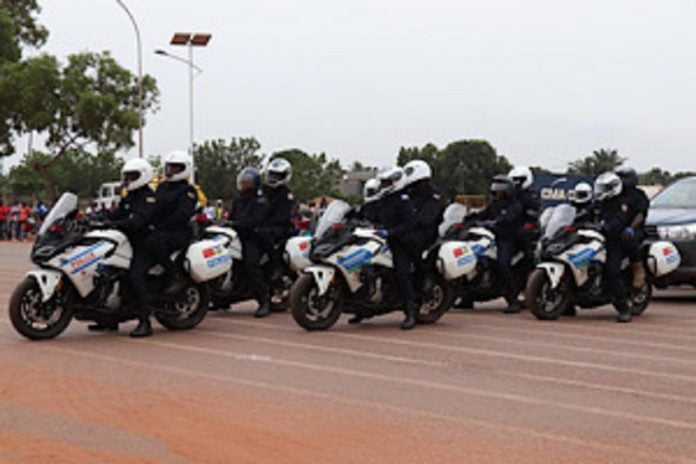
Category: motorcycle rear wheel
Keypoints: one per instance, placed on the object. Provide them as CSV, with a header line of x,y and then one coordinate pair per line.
x,y
441,299
188,309
545,303
25,306
312,311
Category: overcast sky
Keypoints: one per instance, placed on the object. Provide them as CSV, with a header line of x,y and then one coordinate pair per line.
x,y
545,81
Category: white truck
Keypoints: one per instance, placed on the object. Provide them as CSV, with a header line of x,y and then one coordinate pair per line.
x,y
108,194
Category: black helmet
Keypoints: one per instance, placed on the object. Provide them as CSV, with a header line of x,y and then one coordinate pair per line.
x,y
628,176
248,179
502,187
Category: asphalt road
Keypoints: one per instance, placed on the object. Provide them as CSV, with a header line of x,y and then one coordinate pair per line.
x,y
479,387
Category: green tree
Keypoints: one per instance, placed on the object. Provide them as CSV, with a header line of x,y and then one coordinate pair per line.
x,y
313,175
90,101
463,167
18,27
218,163
657,176
598,162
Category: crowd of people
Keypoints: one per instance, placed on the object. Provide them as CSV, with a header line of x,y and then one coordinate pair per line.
x,y
19,220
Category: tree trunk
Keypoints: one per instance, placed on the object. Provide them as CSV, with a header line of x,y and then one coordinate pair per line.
x,y
51,187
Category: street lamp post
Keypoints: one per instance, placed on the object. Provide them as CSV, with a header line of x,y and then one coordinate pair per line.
x,y
140,76
189,40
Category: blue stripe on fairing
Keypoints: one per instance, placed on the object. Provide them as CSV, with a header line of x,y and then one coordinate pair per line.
x,y
83,253
355,259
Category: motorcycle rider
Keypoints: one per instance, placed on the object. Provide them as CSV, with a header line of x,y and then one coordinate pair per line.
x,y
614,218
634,234
371,195
428,207
132,216
277,225
397,216
523,178
249,210
504,216
170,228
581,198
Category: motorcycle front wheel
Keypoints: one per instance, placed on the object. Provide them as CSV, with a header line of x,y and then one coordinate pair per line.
x,y
185,310
312,311
546,303
35,319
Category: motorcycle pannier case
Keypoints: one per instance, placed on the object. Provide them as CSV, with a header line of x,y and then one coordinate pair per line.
x,y
209,259
663,258
456,259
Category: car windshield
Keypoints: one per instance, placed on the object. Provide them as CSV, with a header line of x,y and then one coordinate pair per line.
x,y
679,195
454,214
334,214
563,215
64,206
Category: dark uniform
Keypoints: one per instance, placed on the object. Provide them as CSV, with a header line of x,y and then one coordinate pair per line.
x,y
531,205
171,223
277,225
133,215
509,219
638,204
428,206
370,211
248,213
614,216
397,216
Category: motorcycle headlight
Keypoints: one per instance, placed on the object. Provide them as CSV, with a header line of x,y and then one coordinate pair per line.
x,y
678,232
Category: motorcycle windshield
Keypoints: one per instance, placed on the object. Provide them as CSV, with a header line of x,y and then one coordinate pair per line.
x,y
454,214
64,206
562,216
334,214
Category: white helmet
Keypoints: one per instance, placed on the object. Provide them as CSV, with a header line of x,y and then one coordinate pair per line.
x,y
522,177
391,180
371,190
178,165
607,185
278,172
136,173
415,171
581,194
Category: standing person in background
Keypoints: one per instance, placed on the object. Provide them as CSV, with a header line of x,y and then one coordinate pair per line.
x,y
14,220
4,215
24,217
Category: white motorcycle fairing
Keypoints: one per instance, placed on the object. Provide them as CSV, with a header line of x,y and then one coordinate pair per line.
x,y
297,253
209,259
554,271
80,263
48,281
323,276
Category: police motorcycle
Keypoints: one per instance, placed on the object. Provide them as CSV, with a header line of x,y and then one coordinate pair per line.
x,y
82,273
571,263
465,255
233,287
351,272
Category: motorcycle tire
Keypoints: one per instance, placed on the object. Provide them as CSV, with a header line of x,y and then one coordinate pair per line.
x,y
29,292
535,297
192,317
441,300
304,294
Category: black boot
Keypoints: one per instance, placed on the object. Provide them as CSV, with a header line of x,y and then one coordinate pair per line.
x,y
464,303
103,327
410,319
357,319
624,314
570,311
264,308
144,329
514,306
